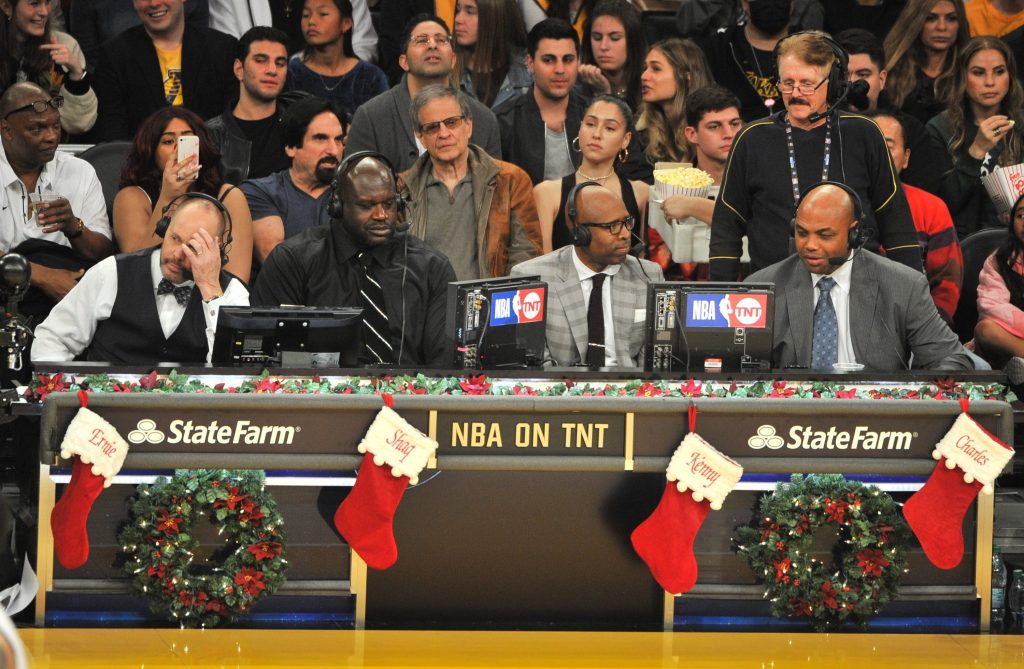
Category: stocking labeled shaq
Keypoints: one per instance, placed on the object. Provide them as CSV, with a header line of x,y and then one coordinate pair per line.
x,y
699,479
396,453
98,452
970,458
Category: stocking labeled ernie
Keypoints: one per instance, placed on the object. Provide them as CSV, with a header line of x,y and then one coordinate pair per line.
x,y
396,453
970,458
699,479
98,452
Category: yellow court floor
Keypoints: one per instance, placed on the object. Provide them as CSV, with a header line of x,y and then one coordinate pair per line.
x,y
146,648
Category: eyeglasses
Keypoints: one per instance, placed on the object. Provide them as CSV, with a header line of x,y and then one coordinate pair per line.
x,y
424,40
788,87
39,106
452,122
615,227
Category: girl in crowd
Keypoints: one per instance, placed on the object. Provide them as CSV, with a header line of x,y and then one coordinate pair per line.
x,y
922,50
153,177
605,132
613,50
673,68
31,51
490,42
999,335
328,67
981,127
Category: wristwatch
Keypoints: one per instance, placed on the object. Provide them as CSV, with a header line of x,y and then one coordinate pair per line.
x,y
77,232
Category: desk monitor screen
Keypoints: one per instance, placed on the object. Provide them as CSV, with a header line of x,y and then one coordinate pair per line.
x,y
706,326
287,336
497,323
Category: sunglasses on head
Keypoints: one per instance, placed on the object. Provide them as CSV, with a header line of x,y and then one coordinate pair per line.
x,y
39,106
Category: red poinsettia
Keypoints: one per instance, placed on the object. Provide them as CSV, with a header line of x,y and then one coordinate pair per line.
x,y
836,512
149,381
782,569
802,525
649,390
801,607
767,528
157,571
265,550
520,389
218,607
872,561
167,522
250,581
691,389
268,386
475,385
251,513
779,389
850,394
233,500
47,384
829,595
122,387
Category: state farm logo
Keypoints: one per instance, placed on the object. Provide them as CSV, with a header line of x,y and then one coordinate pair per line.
x,y
146,430
748,311
807,437
214,433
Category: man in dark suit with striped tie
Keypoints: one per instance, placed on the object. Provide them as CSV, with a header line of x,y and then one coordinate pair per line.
x,y
366,258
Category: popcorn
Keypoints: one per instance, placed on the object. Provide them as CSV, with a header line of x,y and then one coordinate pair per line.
x,y
689,181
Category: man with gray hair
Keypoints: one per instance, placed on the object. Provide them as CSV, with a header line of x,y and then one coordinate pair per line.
x,y
476,210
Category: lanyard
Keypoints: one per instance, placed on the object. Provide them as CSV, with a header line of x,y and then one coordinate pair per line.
x,y
792,158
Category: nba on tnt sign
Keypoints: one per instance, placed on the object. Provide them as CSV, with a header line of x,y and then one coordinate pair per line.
x,y
517,306
726,310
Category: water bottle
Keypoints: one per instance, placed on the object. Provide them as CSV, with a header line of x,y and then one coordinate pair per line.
x,y
998,586
1015,599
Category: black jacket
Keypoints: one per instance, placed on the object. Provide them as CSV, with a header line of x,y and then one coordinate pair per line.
x,y
130,87
318,267
522,137
730,57
236,149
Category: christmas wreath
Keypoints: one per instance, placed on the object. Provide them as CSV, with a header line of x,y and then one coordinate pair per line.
x,y
160,543
868,556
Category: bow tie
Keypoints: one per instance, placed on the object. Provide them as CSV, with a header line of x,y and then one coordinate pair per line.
x,y
181,293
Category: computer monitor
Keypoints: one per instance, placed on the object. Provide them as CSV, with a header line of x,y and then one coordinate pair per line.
x,y
287,336
497,323
693,327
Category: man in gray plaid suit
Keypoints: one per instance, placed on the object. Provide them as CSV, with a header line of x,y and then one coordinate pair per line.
x,y
597,292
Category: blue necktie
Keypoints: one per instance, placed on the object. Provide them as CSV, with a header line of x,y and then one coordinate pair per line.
x,y
825,346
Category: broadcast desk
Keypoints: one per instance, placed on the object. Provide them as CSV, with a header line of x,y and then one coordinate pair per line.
x,y
525,521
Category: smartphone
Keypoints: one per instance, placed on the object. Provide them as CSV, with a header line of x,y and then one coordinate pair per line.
x,y
188,145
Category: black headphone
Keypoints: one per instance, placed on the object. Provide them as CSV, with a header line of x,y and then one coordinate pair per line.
x,y
581,234
837,79
335,203
167,212
857,234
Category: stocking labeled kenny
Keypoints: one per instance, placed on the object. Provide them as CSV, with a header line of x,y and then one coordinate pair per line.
x,y
970,459
699,479
396,453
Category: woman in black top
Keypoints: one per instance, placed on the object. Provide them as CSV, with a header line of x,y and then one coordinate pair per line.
x,y
604,135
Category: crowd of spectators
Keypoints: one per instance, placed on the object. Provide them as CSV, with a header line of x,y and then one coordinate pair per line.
x,y
488,112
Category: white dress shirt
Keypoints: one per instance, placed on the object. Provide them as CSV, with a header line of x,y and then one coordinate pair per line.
x,y
65,176
586,283
70,327
840,295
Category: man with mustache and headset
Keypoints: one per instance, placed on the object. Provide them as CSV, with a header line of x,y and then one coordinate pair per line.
x,y
774,159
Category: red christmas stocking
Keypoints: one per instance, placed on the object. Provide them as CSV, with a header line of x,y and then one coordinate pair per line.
x,y
396,453
970,459
665,540
90,440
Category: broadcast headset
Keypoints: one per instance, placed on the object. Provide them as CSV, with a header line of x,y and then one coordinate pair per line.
x,y
168,212
335,205
857,234
581,234
839,86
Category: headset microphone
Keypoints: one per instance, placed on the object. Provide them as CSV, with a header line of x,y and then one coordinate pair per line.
x,y
859,90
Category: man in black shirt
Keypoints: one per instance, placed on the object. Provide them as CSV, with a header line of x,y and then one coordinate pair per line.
x,y
773,160
249,132
359,261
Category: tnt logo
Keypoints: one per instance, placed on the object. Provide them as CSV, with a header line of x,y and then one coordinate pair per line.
x,y
766,438
517,306
751,311
146,431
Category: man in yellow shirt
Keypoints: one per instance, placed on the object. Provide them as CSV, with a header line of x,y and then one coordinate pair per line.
x,y
994,17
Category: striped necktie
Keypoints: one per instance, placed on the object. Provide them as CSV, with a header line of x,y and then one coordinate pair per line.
x,y
376,341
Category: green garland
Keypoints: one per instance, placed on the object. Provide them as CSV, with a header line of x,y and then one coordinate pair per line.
x,y
160,545
869,555
175,382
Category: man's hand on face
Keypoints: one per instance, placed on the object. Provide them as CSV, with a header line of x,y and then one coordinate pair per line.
x,y
203,253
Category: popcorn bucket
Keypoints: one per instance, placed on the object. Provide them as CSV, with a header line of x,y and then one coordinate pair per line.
x,y
1004,185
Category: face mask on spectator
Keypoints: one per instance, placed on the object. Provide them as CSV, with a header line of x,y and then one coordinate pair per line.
x,y
770,16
